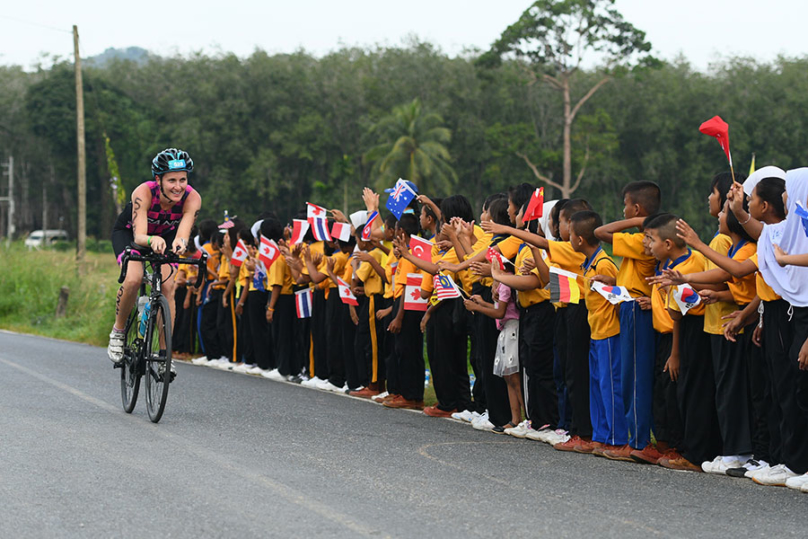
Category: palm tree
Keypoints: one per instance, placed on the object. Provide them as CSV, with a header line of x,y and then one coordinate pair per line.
x,y
412,146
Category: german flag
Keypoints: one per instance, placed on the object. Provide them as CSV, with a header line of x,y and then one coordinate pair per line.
x,y
564,286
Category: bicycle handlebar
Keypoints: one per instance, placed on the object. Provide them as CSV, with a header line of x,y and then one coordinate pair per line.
x,y
168,258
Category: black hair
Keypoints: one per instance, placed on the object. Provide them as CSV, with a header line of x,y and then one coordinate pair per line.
x,y
266,213
492,198
584,224
390,221
207,228
456,206
722,182
554,213
665,226
735,226
646,194
409,224
498,210
429,211
272,229
573,206
519,194
245,235
770,190
351,243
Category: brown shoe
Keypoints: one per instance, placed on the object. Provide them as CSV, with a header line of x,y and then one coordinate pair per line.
x,y
649,455
366,393
387,398
597,448
401,402
434,411
620,453
679,464
572,444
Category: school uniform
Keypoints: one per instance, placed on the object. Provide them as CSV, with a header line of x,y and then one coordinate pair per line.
x,y
701,440
209,337
225,316
388,349
369,332
409,343
334,325
607,412
181,334
667,422
353,375
262,350
282,326
318,364
637,342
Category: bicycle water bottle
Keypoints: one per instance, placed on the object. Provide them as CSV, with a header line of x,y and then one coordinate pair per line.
x,y
141,329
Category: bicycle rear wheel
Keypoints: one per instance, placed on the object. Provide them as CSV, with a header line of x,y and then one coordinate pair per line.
x,y
158,358
130,374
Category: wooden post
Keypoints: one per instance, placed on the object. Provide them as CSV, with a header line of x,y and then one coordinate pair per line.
x,y
61,307
82,166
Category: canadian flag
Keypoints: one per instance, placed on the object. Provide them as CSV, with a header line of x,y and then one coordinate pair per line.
x,y
239,254
412,294
341,231
345,293
421,248
314,211
269,252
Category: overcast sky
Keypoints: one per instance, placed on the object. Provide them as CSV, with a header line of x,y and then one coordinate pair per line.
x,y
701,30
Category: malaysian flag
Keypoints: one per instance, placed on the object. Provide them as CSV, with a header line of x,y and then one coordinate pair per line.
x,y
303,303
445,287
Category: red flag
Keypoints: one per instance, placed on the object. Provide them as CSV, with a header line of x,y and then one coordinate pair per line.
x,y
239,254
718,128
299,230
268,252
412,294
345,293
341,231
421,248
495,257
535,208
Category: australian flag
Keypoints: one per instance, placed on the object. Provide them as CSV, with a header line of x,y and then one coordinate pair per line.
x,y
400,197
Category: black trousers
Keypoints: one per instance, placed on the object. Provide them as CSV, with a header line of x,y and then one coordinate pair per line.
x,y
560,370
390,353
789,384
496,390
731,393
448,358
225,320
409,354
577,368
765,420
701,440
283,335
183,322
353,364
334,325
319,334
536,325
302,346
369,340
261,352
209,333
667,425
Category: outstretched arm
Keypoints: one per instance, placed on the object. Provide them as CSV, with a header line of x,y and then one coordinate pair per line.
x,y
528,237
607,232
732,267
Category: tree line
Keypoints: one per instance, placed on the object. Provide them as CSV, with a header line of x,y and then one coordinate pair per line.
x,y
269,132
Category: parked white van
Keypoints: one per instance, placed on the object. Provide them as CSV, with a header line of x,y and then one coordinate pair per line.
x,y
44,238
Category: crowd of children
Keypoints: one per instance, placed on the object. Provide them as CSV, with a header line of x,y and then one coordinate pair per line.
x,y
668,350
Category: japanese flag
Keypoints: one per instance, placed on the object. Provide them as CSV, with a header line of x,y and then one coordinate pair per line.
x,y
239,254
421,248
268,253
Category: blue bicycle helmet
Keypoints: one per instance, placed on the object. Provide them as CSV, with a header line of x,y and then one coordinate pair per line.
x,y
172,160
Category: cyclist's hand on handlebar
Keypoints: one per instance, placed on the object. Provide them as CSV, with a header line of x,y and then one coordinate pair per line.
x,y
157,244
178,246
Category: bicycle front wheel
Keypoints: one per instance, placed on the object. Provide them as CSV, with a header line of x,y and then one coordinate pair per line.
x,y
158,358
130,373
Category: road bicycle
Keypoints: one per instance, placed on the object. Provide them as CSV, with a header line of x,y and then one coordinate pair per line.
x,y
147,341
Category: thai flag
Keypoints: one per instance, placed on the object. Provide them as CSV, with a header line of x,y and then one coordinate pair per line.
x,y
421,248
341,231
400,197
345,293
614,294
319,227
303,303
269,252
368,229
412,294
239,254
313,211
299,229
445,287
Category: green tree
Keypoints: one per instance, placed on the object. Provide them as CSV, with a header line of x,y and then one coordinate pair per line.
x,y
551,39
412,146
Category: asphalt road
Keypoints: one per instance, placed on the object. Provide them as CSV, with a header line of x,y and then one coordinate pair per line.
x,y
242,456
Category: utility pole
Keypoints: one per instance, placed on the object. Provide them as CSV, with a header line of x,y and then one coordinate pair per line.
x,y
82,168
10,198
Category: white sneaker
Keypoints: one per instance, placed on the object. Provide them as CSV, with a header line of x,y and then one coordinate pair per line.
x,y
520,430
242,368
558,436
754,466
380,396
325,385
719,465
255,370
274,374
539,435
214,362
776,476
797,482
115,347
465,415
482,423
200,360
311,382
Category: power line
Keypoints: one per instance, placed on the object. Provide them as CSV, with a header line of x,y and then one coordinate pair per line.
x,y
53,28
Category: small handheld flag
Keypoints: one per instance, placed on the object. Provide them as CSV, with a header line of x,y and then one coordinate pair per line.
x,y
412,294
303,303
268,253
421,248
685,297
802,213
239,254
313,211
367,230
535,207
341,231
496,258
359,218
400,197
345,293
445,287
319,228
718,128
614,294
299,229
564,286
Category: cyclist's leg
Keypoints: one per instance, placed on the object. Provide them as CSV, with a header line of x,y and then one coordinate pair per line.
x,y
127,293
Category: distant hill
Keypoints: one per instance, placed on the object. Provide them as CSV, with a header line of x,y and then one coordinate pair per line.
x,y
135,54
